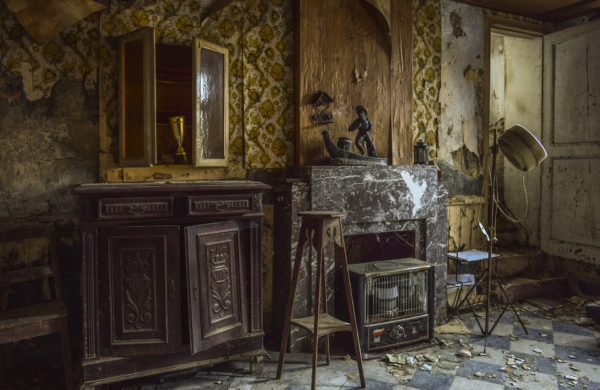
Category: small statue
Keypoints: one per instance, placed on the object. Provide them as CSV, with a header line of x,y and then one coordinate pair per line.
x,y
363,125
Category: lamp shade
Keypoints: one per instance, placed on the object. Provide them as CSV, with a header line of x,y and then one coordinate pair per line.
x,y
522,148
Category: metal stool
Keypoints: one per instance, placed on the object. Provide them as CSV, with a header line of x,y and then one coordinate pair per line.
x,y
321,227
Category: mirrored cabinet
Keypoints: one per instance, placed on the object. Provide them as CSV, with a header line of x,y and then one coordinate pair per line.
x,y
173,102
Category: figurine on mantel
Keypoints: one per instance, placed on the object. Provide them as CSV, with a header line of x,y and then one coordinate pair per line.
x,y
363,124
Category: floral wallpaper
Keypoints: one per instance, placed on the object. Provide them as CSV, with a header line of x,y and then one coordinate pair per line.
x,y
427,52
269,86
259,36
71,55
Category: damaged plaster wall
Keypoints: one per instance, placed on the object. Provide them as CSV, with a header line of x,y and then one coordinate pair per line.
x,y
48,119
461,124
48,146
461,98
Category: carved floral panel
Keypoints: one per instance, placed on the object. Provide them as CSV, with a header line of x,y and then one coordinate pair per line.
x,y
138,303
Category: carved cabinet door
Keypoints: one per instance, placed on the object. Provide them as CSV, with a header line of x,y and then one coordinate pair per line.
x,y
139,290
216,284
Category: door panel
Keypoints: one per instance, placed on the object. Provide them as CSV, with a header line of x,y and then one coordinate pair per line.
x,y
139,268
570,223
216,284
576,84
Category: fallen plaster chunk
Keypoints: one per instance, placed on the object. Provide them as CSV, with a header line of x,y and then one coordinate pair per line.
x,y
465,353
454,326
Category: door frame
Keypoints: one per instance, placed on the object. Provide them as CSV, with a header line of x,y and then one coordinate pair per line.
x,y
513,27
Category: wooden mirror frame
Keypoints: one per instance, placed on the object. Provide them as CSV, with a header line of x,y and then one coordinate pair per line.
x,y
210,106
148,61
222,124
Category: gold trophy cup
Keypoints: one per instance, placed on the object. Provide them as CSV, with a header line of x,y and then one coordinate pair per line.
x,y
177,128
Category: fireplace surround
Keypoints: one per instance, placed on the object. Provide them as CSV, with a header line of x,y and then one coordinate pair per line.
x,y
396,211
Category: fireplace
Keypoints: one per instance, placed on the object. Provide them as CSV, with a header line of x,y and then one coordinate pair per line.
x,y
361,248
391,212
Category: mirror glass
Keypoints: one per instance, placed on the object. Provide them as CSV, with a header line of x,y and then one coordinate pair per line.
x,y
212,130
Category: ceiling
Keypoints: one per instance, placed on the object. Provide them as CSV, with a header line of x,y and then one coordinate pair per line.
x,y
549,10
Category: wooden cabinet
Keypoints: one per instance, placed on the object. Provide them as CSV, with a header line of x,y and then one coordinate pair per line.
x,y
170,276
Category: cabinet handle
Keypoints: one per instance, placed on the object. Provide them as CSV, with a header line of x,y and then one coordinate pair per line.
x,y
222,206
171,288
136,209
195,293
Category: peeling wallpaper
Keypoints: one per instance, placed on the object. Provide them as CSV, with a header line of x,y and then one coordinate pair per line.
x,y
447,79
71,55
461,94
48,118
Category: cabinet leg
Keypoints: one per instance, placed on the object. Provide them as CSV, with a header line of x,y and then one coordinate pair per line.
x,y
256,365
66,355
3,370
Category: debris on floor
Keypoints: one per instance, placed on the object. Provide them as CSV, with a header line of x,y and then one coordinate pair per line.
x,y
465,353
454,326
538,360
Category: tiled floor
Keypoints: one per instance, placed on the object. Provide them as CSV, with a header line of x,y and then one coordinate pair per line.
x,y
549,356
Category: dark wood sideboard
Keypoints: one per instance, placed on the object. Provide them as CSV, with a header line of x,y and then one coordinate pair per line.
x,y
171,276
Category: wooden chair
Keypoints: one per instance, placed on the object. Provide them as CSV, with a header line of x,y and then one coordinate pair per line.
x,y
33,320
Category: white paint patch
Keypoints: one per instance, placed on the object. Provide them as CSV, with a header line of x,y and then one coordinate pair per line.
x,y
417,190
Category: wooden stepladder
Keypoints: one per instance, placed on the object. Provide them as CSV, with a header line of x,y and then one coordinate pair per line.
x,y
319,228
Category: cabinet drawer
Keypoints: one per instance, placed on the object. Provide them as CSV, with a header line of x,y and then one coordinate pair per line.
x,y
127,208
219,204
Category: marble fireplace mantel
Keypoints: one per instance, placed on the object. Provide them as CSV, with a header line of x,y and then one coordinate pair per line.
x,y
377,199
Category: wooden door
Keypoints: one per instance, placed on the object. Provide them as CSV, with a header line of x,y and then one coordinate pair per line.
x,y
216,284
139,290
570,224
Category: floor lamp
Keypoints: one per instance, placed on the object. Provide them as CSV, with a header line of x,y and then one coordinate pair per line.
x,y
525,152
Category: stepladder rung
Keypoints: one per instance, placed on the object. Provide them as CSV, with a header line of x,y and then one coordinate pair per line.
x,y
327,324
